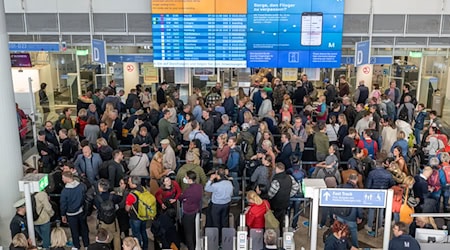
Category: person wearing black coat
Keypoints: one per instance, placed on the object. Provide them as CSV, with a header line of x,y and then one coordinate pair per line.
x,y
161,94
285,153
420,187
133,101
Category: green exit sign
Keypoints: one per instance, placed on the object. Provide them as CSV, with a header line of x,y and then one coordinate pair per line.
x,y
43,182
84,52
415,54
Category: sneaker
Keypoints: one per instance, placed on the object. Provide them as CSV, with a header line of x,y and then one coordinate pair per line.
x,y
322,227
295,228
372,233
367,228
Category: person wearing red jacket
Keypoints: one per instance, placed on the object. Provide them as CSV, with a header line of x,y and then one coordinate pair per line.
x,y
254,213
168,193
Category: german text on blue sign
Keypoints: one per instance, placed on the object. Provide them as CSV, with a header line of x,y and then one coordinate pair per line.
x,y
341,197
32,46
99,51
373,60
362,53
130,58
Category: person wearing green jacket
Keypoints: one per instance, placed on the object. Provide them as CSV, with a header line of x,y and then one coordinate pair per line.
x,y
190,166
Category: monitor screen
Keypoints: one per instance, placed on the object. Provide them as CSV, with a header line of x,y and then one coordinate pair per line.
x,y
21,60
431,235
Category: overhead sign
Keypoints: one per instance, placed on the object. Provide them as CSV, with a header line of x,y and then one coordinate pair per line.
x,y
340,197
362,53
373,60
130,58
247,33
99,51
33,46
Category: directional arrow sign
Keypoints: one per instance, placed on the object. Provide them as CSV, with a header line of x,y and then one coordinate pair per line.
x,y
343,197
326,195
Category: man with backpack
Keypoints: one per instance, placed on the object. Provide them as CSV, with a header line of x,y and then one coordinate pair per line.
x,y
141,205
378,178
369,144
406,110
113,169
299,174
105,202
72,209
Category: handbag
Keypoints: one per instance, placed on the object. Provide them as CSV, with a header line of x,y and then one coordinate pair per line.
x,y
406,210
269,220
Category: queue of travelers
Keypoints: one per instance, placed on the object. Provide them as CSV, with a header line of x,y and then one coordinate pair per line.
x,y
130,162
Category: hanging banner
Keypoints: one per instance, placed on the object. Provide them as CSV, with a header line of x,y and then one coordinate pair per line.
x,y
151,73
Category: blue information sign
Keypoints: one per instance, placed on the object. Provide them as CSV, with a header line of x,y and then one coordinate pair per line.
x,y
340,197
362,53
273,33
373,60
130,58
17,47
99,51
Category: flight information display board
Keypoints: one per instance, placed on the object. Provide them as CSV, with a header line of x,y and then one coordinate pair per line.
x,y
247,33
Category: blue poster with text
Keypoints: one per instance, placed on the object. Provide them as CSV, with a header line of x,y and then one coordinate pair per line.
x,y
294,34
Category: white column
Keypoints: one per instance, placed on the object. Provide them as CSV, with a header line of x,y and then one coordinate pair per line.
x,y
130,76
11,169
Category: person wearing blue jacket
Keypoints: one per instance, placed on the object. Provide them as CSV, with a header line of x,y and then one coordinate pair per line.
x,y
233,164
402,143
228,104
445,185
378,178
88,164
419,121
401,239
72,209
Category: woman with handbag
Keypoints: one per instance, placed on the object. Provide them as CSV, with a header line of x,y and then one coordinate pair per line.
x,y
408,202
254,213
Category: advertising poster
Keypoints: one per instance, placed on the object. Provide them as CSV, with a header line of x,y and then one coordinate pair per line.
x,y
151,74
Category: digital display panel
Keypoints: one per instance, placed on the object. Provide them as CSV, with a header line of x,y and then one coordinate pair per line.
x,y
247,33
21,60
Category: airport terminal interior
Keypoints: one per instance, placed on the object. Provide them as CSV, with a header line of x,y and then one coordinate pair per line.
x,y
260,97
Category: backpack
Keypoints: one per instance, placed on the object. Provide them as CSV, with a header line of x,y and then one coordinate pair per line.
x,y
403,114
390,109
398,199
36,214
446,170
411,140
146,209
434,180
107,210
298,173
241,157
342,211
330,178
103,172
370,147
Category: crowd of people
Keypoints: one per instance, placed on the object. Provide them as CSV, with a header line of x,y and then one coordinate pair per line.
x,y
133,160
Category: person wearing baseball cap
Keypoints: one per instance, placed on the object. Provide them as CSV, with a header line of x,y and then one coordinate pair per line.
x,y
19,222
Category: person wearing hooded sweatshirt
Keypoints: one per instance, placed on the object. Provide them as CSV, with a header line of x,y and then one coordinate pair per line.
x,y
72,209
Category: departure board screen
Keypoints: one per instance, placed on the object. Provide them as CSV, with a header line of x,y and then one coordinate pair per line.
x,y
247,33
